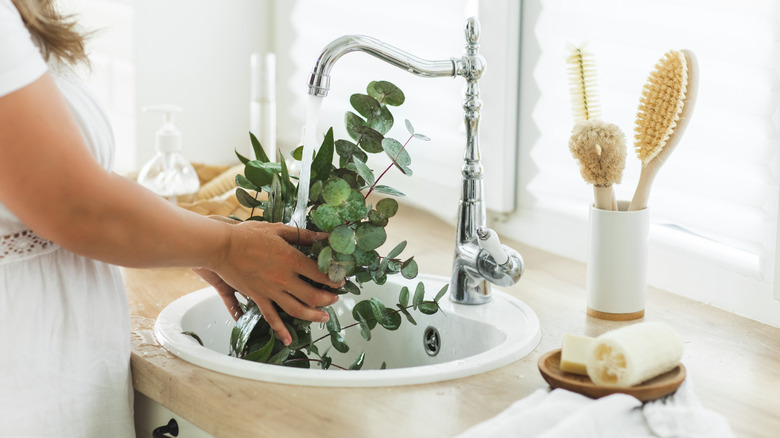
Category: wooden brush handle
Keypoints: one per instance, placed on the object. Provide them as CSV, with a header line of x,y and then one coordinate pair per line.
x,y
649,171
604,197
642,193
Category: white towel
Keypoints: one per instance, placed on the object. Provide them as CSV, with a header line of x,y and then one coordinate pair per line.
x,y
560,413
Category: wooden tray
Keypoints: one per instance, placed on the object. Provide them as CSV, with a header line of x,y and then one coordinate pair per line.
x,y
663,385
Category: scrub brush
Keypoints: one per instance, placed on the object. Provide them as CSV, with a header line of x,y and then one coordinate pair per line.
x,y
665,108
599,147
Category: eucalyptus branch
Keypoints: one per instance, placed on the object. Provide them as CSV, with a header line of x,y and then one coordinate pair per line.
x,y
337,206
371,319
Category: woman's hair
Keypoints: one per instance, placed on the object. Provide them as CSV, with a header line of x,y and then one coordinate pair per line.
x,y
56,35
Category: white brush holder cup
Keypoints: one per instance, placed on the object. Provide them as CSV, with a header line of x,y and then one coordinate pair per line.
x,y
617,263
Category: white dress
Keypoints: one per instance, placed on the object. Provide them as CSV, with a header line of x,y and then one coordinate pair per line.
x,y
64,321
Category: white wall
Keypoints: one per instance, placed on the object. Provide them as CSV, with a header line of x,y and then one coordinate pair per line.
x,y
195,54
112,73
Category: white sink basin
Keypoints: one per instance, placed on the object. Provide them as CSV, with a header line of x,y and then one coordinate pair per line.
x,y
472,339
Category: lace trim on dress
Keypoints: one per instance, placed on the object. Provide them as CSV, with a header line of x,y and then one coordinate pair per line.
x,y
23,244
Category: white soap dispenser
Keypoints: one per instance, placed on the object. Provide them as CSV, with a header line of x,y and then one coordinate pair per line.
x,y
168,174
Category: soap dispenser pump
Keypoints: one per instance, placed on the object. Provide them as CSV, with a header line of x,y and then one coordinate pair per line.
x,y
168,174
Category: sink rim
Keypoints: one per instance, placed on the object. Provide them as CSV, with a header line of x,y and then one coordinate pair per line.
x,y
168,331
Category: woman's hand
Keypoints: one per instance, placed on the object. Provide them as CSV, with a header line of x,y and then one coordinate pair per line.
x,y
261,263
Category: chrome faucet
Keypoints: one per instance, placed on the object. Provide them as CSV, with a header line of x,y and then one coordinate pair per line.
x,y
479,257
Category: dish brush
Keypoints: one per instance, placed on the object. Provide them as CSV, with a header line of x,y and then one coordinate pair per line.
x,y
599,147
665,109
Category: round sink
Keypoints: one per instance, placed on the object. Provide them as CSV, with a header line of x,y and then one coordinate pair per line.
x,y
458,341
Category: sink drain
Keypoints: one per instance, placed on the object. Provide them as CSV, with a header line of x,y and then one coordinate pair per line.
x,y
431,341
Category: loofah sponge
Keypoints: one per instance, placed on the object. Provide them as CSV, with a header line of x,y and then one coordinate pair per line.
x,y
662,102
600,150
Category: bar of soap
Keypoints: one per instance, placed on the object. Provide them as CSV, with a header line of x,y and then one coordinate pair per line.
x,y
574,349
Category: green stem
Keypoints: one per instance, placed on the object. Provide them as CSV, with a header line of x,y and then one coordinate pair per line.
x,y
252,212
357,323
376,181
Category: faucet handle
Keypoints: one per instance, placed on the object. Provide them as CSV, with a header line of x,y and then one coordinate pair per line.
x,y
489,241
472,30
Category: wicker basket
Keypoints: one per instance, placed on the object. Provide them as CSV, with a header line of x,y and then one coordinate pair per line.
x,y
217,194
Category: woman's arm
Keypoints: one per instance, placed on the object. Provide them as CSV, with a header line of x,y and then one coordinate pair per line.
x,y
51,182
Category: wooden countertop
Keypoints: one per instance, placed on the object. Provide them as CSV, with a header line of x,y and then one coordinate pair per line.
x,y
733,362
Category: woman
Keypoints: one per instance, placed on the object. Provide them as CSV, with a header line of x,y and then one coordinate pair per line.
x,y
65,221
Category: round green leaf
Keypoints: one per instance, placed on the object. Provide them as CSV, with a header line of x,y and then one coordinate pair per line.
x,y
382,122
369,139
297,153
365,330
336,272
377,218
348,151
341,266
428,307
351,287
336,191
365,105
379,277
377,308
364,171
409,269
315,192
353,122
344,148
342,239
258,173
387,207
419,294
387,190
242,182
409,126
363,309
247,200
333,324
358,362
364,258
324,259
397,153
326,218
386,92
354,209
391,255
392,320
370,236
403,297
338,342
297,360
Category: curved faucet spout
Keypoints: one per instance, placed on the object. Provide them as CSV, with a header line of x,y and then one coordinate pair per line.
x,y
319,81
473,265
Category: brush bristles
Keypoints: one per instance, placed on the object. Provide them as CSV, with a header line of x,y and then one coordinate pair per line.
x,y
662,101
600,150
582,85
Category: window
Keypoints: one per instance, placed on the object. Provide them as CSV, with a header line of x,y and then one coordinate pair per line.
x,y
714,204
430,30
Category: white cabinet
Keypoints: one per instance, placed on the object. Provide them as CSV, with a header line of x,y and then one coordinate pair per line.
x,y
150,415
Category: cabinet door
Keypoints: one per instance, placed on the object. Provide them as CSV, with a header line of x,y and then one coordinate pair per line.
x,y
150,415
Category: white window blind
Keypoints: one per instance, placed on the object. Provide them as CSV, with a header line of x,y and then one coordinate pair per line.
x,y
715,199
431,30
